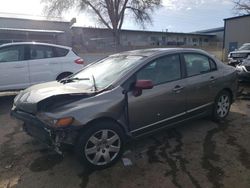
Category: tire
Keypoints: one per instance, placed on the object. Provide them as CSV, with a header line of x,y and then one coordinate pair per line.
x,y
101,145
63,75
222,105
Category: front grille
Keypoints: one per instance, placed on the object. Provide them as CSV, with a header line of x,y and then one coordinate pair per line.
x,y
248,68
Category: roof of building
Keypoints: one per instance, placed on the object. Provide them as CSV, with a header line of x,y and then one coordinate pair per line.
x,y
236,17
153,32
28,18
33,30
212,30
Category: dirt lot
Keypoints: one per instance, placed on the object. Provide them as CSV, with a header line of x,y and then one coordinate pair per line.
x,y
198,154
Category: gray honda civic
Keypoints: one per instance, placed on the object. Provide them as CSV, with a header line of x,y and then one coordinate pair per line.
x,y
124,96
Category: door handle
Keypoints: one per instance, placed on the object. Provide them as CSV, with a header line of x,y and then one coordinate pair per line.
x,y
177,89
53,63
212,79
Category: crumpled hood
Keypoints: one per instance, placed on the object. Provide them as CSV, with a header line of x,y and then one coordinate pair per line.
x,y
28,98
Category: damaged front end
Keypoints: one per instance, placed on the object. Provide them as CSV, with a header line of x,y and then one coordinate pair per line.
x,y
39,123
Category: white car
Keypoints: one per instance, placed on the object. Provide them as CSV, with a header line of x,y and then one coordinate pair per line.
x,y
26,63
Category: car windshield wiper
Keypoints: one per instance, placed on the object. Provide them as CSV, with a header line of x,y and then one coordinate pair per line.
x,y
72,79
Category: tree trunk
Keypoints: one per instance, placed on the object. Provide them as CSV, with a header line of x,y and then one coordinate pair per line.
x,y
116,39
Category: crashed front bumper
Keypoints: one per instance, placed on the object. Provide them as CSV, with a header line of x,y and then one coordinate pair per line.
x,y
56,138
243,73
235,62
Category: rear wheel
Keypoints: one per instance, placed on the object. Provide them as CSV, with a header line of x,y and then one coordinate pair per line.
x,y
101,145
222,106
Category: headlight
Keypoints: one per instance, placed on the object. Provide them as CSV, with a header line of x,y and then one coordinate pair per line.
x,y
61,122
64,122
46,119
18,97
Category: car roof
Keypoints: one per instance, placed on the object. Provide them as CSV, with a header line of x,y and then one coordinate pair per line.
x,y
155,51
35,43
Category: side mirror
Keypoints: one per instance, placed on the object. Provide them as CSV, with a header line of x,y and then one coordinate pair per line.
x,y
141,85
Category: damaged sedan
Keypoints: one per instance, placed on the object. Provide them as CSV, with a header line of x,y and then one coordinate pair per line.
x,y
126,95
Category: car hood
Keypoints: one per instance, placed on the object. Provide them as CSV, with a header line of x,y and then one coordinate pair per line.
x,y
28,99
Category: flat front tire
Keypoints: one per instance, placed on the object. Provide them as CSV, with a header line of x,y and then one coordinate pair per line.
x,y
101,145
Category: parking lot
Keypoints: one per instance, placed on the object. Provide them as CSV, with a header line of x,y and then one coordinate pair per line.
x,y
196,154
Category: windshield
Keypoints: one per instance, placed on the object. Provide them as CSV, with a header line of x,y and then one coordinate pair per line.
x,y
245,47
106,71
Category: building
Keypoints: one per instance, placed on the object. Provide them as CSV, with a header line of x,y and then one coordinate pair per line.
x,y
218,32
21,30
89,39
237,32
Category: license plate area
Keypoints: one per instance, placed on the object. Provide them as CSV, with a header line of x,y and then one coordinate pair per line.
x,y
38,132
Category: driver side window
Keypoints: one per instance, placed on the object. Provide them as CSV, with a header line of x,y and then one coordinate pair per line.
x,y
162,70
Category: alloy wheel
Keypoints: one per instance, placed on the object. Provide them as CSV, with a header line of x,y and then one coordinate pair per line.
x,y
102,147
223,106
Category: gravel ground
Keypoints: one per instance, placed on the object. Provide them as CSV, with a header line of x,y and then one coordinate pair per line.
x,y
198,154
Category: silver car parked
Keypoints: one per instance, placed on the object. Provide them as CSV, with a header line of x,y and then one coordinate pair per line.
x,y
124,96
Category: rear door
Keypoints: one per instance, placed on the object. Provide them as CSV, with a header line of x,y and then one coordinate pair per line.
x,y
43,65
165,102
201,81
14,72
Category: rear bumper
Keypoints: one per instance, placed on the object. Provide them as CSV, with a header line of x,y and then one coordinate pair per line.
x,y
56,139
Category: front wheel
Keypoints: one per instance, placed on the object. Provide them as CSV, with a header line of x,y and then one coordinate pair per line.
x,y
222,106
101,145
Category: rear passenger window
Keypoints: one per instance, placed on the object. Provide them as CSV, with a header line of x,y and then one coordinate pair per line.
x,y
41,52
198,64
60,52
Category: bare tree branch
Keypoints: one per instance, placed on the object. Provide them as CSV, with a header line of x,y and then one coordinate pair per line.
x,y
242,6
99,14
110,13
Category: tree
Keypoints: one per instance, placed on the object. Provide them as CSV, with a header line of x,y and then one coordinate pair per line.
x,y
110,13
242,6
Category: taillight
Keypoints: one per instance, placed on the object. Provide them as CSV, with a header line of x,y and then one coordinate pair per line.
x,y
79,61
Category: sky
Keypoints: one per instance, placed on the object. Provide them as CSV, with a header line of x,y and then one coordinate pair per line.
x,y
174,16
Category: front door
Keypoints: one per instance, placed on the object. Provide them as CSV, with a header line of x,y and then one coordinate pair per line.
x,y
164,102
